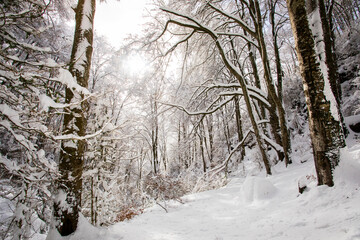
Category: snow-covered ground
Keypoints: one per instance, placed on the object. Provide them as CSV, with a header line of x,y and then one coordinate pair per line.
x,y
255,207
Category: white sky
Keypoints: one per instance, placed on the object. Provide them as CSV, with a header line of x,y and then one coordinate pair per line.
x,y
116,19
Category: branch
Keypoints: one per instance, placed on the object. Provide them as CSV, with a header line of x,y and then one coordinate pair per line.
x,y
222,166
276,146
251,94
199,26
205,112
238,35
89,136
181,41
25,45
237,20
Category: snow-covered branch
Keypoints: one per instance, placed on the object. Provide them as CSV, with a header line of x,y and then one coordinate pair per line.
x,y
203,112
27,46
46,102
104,129
188,36
276,146
238,35
224,164
236,19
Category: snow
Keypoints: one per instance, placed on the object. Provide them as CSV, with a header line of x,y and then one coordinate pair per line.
x,y
87,11
45,102
81,55
33,47
349,170
351,120
276,146
257,189
86,24
85,231
11,114
67,79
61,199
76,137
70,144
255,207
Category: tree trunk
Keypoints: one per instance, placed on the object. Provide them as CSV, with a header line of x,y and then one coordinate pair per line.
x,y
256,75
276,130
187,156
286,143
239,127
202,151
226,130
274,29
210,127
155,136
324,116
68,200
258,134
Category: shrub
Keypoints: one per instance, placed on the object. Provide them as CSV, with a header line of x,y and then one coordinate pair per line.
x,y
128,212
162,187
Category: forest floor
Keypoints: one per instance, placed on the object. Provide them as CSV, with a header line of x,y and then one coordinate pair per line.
x,y
255,207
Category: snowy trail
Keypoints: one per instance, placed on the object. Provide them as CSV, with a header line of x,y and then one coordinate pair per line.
x,y
321,213
260,208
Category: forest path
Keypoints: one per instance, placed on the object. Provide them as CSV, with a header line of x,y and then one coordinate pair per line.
x,y
256,208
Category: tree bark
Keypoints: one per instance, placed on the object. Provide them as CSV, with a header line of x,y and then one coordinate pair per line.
x,y
324,116
68,200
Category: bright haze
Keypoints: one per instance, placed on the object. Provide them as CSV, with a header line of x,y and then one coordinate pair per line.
x,y
117,19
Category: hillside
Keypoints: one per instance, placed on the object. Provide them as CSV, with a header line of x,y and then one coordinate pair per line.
x,y
255,207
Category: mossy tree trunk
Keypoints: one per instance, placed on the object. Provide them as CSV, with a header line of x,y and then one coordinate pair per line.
x,y
324,116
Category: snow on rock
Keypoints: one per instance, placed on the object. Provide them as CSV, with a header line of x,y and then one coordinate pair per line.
x,y
305,181
85,231
257,188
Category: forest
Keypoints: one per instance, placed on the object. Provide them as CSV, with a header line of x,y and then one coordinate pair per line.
x,y
217,119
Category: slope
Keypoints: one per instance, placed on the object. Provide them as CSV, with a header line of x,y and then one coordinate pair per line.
x,y
255,207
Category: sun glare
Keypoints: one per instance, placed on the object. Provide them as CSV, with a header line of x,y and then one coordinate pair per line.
x,y
117,19
136,65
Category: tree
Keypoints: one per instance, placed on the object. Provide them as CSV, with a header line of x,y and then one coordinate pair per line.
x,y
30,52
68,199
235,71
256,32
327,138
